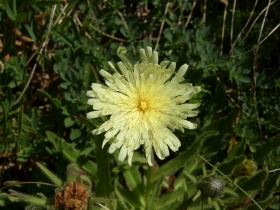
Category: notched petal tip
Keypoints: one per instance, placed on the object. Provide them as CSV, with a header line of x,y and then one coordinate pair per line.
x,y
182,70
172,67
188,124
149,54
94,114
155,57
123,153
143,56
91,93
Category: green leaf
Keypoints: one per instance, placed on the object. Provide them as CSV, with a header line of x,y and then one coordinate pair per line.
x,y
168,35
71,5
75,29
90,76
270,186
103,186
265,204
264,150
237,150
227,167
30,32
65,85
21,17
86,122
68,122
121,202
254,182
171,200
126,195
75,134
153,195
178,162
54,101
43,56
134,181
5,115
225,126
34,119
15,196
64,38
15,7
50,175
20,120
72,154
244,79
10,13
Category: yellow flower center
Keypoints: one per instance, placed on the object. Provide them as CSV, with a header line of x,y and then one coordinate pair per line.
x,y
142,105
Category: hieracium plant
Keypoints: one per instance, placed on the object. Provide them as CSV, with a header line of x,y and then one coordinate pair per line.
x,y
146,103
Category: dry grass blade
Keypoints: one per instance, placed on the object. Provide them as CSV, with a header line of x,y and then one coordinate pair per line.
x,y
223,29
161,26
204,11
112,37
272,31
249,19
126,27
190,15
257,19
232,22
45,43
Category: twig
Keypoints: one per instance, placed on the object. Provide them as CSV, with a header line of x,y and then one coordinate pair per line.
x,y
257,19
19,183
126,27
233,56
112,37
181,6
274,170
99,204
254,71
251,14
60,14
204,11
60,19
41,50
81,25
161,26
269,34
190,15
232,22
223,29
273,126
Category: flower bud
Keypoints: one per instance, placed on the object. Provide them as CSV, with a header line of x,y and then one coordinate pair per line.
x,y
211,186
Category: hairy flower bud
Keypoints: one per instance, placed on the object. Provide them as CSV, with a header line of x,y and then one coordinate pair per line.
x,y
211,186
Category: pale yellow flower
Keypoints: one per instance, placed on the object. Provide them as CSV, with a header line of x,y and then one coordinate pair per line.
x,y
146,103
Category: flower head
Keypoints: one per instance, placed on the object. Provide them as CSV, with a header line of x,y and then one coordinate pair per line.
x,y
146,102
211,186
